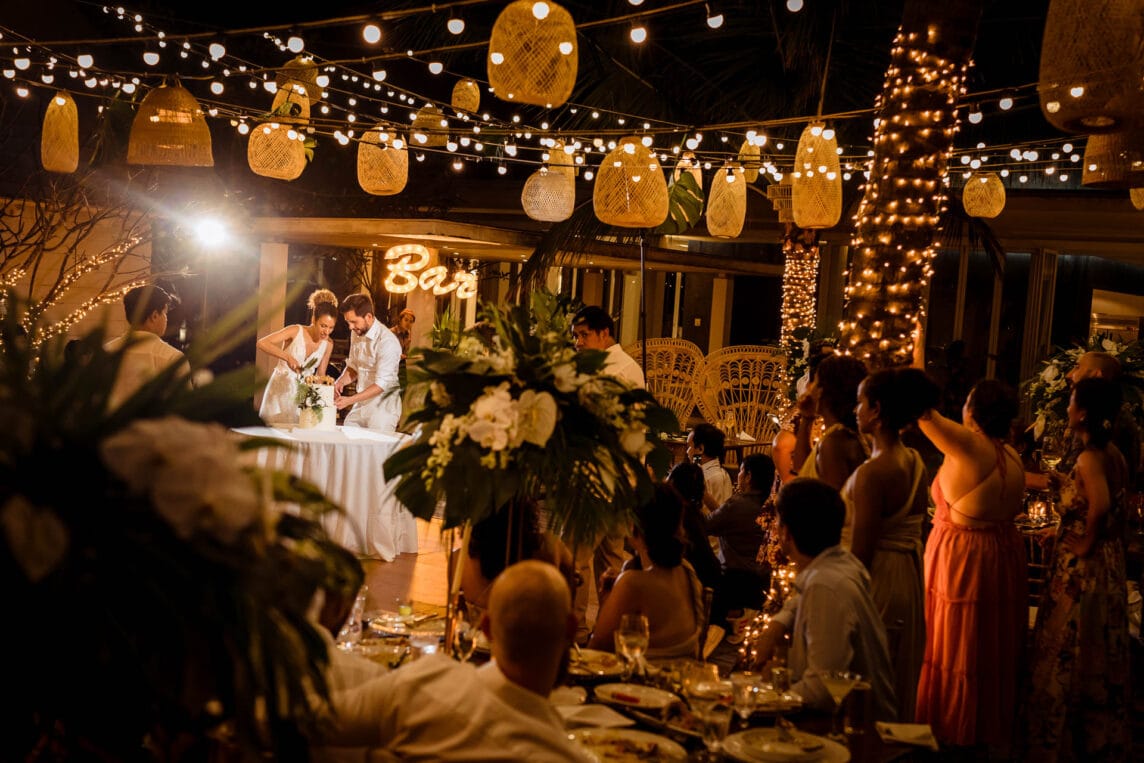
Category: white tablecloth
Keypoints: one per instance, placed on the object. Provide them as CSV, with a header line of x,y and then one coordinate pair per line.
x,y
346,464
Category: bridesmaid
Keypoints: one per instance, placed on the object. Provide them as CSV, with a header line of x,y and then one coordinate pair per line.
x,y
1078,688
976,577
298,347
886,503
831,394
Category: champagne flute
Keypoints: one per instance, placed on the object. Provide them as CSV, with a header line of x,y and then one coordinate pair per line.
x,y
632,639
838,683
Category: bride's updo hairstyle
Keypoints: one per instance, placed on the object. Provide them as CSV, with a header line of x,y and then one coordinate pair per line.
x,y
322,303
901,394
660,523
1100,400
993,405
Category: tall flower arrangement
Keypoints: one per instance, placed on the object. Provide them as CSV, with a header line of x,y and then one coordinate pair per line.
x,y
156,595
515,412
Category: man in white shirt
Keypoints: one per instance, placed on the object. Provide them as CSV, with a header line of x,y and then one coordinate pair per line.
x,y
373,361
833,621
438,709
705,447
145,353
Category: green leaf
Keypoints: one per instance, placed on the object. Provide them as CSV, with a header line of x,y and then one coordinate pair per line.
x,y
684,205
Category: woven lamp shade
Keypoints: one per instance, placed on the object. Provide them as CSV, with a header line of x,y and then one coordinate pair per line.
x,y
466,96
630,191
1136,196
302,72
382,163
1091,59
688,163
532,54
276,150
750,157
816,184
1114,161
727,202
549,194
59,141
430,128
779,195
170,129
983,195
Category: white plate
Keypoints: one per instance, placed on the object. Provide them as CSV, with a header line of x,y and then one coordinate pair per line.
x,y
635,695
593,662
762,745
393,624
770,701
627,745
568,695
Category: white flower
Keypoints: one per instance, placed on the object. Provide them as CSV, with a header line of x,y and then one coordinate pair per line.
x,y
1108,345
439,394
565,378
1039,426
493,418
489,434
536,417
1051,372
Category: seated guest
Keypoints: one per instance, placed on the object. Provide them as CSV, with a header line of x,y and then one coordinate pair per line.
x,y
736,525
665,588
833,620
687,478
145,354
436,708
705,447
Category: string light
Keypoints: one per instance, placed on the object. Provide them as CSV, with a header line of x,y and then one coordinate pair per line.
x,y
638,34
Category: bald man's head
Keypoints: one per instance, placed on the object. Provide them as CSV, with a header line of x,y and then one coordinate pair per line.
x,y
1095,364
529,606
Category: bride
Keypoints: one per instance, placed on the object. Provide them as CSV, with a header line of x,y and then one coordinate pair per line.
x,y
298,347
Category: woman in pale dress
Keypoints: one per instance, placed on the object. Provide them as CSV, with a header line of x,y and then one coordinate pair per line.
x,y
885,505
832,394
297,347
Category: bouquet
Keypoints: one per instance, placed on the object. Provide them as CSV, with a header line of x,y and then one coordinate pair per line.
x,y
308,395
157,594
515,412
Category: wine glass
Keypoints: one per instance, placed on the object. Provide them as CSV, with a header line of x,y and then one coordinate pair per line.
x,y
744,688
838,683
1051,452
631,640
716,722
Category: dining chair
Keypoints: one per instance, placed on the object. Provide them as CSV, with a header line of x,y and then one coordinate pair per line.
x,y
742,388
670,373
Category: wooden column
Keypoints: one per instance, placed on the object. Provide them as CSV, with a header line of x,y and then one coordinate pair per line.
x,y
722,293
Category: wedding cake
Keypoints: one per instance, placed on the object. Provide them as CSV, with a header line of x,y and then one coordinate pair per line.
x,y
317,410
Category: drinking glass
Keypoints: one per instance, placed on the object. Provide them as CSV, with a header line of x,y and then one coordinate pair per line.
x,y
465,634
351,631
631,640
838,683
716,722
744,688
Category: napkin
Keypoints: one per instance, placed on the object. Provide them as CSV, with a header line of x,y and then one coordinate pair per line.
x,y
919,734
598,716
744,437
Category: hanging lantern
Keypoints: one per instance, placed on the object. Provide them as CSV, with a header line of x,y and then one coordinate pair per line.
x,y
59,140
727,204
688,163
779,195
816,182
1114,160
300,72
170,129
430,128
532,54
549,194
983,195
630,191
1136,195
1091,61
466,96
382,163
750,157
277,148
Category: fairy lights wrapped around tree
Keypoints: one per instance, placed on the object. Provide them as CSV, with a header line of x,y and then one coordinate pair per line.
x,y
897,219
800,281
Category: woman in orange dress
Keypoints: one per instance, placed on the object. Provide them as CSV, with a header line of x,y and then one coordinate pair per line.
x,y
976,600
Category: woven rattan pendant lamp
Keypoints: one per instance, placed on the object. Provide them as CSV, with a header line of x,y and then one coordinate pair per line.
x,y
688,163
59,140
1114,160
983,195
430,128
727,202
302,72
276,148
382,163
630,191
549,194
750,157
466,96
816,181
1136,196
533,55
1091,64
170,129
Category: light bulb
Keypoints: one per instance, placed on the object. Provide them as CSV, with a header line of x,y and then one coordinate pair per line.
x,y
295,44
84,60
1005,103
436,67
150,57
566,48
496,58
379,75
371,33
715,21
794,6
216,88
638,34
455,25
540,10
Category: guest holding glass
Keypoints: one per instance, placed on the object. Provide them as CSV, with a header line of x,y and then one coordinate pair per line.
x,y
297,347
885,506
665,588
1078,696
832,394
976,578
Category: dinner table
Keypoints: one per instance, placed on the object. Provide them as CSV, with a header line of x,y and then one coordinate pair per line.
x,y
347,465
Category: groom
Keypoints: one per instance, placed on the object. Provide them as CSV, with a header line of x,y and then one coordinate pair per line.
x,y
374,356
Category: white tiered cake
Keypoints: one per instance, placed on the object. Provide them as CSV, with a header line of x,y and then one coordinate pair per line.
x,y
324,417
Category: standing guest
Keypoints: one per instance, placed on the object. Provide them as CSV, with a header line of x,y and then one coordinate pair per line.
x,y
298,347
145,354
736,525
975,575
1078,687
436,708
834,623
886,504
705,447
403,330
832,394
594,329
375,354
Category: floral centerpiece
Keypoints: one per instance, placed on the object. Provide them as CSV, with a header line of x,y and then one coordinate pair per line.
x,y
515,412
156,595
1048,391
313,395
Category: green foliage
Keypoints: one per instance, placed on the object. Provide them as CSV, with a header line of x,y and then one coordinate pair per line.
x,y
685,205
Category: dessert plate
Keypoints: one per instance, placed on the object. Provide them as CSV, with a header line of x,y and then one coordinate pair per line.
x,y
635,695
628,745
592,662
763,745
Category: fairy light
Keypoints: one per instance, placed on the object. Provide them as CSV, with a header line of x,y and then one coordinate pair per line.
x,y
800,282
897,219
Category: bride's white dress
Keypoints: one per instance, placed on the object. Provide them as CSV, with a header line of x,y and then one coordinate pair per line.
x,y
278,405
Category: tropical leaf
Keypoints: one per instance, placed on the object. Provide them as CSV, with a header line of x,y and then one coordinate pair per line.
x,y
685,205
